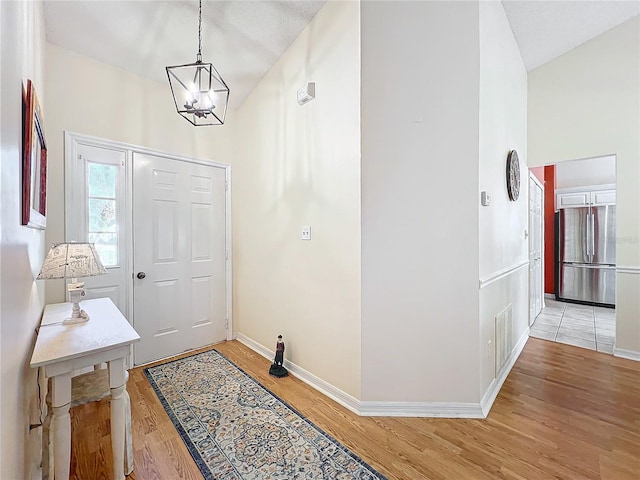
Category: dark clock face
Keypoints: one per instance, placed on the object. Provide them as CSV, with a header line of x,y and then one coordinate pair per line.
x,y
513,175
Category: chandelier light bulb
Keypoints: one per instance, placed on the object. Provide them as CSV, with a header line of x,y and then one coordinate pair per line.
x,y
207,101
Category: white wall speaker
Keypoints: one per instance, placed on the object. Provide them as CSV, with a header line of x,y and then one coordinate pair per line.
x,y
306,93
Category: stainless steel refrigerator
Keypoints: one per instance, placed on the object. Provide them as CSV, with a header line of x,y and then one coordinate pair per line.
x,y
586,255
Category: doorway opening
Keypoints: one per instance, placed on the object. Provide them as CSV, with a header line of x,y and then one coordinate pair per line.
x,y
579,254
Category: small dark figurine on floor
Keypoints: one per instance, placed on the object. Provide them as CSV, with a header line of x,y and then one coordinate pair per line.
x,y
276,368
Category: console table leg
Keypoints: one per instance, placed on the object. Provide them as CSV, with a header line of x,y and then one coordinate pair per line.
x,y
61,425
118,399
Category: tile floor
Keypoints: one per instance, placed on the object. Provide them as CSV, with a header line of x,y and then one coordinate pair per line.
x,y
580,325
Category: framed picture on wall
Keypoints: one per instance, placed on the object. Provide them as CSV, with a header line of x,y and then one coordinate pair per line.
x,y
34,162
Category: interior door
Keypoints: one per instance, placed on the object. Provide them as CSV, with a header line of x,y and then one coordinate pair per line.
x,y
536,242
179,256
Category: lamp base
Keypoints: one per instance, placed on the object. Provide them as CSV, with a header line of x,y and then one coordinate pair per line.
x,y
81,318
76,292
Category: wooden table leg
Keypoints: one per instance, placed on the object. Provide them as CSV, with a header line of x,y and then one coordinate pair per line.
x,y
61,425
118,399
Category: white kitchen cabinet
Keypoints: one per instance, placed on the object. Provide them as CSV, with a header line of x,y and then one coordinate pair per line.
x,y
584,197
603,197
573,199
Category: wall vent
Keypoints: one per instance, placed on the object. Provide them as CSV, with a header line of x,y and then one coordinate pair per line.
x,y
503,335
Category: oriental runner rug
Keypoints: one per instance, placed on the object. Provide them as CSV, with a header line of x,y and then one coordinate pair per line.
x,y
236,429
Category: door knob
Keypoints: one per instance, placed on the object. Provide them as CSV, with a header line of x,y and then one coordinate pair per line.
x,y
141,275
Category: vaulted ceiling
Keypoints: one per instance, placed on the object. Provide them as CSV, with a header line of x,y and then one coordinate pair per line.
x,y
545,30
244,38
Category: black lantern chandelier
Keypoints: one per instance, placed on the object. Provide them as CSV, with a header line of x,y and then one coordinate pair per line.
x,y
199,92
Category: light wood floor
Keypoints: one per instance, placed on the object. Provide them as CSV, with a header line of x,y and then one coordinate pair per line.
x,y
564,413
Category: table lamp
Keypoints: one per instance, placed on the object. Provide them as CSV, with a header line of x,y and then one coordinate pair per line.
x,y
72,260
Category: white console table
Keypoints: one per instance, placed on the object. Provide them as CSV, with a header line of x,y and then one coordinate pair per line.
x,y
61,349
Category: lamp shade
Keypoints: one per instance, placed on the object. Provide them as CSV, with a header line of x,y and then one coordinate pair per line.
x,y
71,260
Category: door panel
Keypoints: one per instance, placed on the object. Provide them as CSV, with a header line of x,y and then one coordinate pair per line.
x,y
604,234
536,211
208,258
573,235
179,231
588,283
158,297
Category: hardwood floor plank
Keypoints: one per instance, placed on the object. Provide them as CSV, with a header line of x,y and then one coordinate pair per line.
x,y
563,413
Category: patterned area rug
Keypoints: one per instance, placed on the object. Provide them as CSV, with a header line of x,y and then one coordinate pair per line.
x,y
236,429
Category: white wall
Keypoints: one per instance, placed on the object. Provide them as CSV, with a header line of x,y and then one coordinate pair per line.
x,y
420,94
22,249
503,127
586,104
92,98
297,166
587,172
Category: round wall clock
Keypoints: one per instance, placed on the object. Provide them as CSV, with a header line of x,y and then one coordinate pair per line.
x,y
513,175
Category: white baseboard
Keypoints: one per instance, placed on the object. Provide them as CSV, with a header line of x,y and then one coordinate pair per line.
x,y
550,296
391,409
307,377
492,392
396,409
628,354
421,409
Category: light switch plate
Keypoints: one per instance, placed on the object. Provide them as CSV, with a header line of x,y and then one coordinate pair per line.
x,y
305,233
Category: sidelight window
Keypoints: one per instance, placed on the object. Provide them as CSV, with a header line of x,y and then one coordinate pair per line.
x,y
102,208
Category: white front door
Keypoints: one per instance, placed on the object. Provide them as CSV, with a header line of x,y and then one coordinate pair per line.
x,y
179,256
177,233
536,236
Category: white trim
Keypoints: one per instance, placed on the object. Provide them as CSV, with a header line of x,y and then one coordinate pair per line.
x,y
229,251
421,409
494,389
550,296
114,144
129,220
307,377
631,270
590,188
628,354
494,277
536,180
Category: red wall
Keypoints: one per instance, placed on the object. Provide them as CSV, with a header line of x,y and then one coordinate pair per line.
x,y
549,236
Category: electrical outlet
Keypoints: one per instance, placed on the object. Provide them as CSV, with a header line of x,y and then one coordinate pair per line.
x,y
305,233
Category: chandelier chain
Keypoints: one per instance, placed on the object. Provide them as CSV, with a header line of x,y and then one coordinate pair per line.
x,y
200,31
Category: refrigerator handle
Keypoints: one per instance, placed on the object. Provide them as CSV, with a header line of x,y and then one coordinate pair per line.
x,y
593,235
587,237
